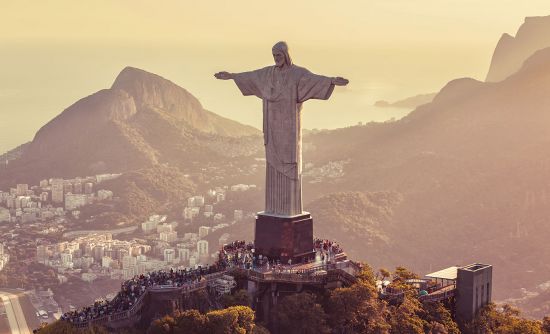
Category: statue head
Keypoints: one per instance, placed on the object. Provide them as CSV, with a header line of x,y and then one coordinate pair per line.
x,y
281,55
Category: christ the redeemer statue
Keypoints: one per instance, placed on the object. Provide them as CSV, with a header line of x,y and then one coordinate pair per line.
x,y
283,88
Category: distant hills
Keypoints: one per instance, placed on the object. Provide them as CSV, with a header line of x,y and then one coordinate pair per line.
x,y
473,170
141,121
510,52
356,220
410,102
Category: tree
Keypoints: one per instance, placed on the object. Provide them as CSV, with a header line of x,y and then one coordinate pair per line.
x,y
240,297
357,309
437,328
300,314
385,273
404,273
190,322
367,275
405,318
199,300
245,317
491,320
232,320
164,325
440,318
57,327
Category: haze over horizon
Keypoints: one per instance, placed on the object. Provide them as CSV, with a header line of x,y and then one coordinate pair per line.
x,y
58,52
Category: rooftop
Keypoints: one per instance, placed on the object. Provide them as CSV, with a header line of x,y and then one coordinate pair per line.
x,y
475,267
447,273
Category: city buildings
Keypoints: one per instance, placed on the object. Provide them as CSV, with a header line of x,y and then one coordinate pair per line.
x,y
5,215
4,256
75,201
195,201
169,255
48,200
57,190
22,189
170,236
202,247
151,224
104,195
203,231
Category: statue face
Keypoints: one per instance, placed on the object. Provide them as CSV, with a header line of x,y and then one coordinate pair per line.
x,y
279,58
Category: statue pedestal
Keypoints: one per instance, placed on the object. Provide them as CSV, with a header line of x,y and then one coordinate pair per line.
x,y
284,237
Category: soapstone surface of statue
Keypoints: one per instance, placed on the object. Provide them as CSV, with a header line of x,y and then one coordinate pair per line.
x,y
283,88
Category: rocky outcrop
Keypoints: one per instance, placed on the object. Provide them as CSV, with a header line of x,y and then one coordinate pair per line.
x,y
511,52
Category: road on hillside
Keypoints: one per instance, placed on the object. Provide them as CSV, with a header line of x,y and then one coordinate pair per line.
x,y
14,312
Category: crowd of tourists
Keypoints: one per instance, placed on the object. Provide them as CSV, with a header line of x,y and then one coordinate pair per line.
x,y
132,289
242,255
326,249
239,254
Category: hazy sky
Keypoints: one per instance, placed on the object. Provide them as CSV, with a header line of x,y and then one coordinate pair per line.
x,y
54,52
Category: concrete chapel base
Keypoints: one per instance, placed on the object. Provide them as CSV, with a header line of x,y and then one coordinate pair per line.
x,y
284,237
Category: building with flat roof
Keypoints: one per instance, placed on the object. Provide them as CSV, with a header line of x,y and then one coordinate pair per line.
x,y
444,277
473,285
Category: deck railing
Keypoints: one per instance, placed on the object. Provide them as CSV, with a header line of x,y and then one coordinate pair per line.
x,y
438,295
312,275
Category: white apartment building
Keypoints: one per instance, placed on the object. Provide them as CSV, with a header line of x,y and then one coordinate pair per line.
x,y
4,215
169,255
203,231
202,247
169,237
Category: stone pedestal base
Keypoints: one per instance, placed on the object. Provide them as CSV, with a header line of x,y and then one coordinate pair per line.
x,y
284,238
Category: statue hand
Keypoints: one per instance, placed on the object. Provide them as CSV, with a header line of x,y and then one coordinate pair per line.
x,y
339,81
224,75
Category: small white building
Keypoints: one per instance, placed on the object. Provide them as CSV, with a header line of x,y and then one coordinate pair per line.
x,y
106,261
202,247
169,255
89,277
103,195
223,285
4,215
203,231
169,237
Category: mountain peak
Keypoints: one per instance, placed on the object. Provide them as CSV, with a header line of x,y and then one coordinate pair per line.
x,y
511,52
149,89
457,89
133,74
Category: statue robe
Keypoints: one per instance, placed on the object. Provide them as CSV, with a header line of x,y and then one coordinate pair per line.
x,y
282,93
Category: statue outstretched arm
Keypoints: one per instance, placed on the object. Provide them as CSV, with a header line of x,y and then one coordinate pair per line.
x,y
223,75
249,83
339,81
